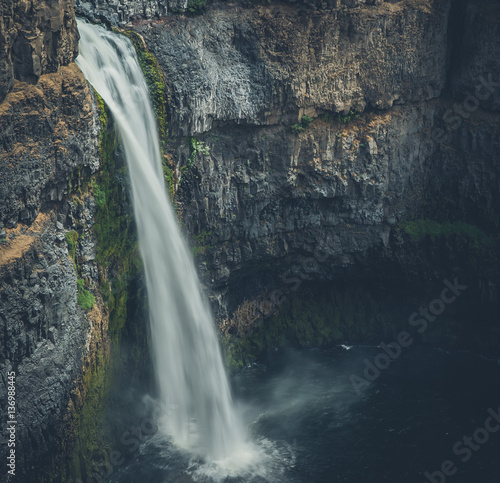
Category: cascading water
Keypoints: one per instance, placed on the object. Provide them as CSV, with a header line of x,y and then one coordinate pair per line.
x,y
193,383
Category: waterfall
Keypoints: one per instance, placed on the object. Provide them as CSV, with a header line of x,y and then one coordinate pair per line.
x,y
199,413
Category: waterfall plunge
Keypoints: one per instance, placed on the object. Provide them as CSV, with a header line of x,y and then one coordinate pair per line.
x,y
194,388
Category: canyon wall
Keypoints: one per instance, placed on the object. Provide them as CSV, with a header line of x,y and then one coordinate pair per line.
x,y
401,130
48,146
341,142
122,12
270,65
36,38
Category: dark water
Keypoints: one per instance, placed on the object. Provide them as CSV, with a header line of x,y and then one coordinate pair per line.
x,y
311,426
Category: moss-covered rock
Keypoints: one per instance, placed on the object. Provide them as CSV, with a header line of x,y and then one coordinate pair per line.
x,y
119,266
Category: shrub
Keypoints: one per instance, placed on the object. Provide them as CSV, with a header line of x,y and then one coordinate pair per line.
x,y
303,125
352,115
196,7
306,120
296,128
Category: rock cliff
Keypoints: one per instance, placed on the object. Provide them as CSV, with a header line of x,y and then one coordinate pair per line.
x,y
271,65
397,128
46,335
122,12
48,138
48,146
36,37
308,144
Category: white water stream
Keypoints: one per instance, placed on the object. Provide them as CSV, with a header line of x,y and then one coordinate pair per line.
x,y
195,394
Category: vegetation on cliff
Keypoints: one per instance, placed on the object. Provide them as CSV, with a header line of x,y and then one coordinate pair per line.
x,y
119,267
159,96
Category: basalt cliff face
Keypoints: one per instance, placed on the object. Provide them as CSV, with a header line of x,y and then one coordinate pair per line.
x,y
390,176
270,65
48,145
122,12
36,38
308,145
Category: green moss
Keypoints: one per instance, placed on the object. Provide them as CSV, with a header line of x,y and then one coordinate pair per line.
x,y
99,194
159,96
85,299
119,265
168,175
91,446
71,240
201,245
419,229
101,107
154,79
117,248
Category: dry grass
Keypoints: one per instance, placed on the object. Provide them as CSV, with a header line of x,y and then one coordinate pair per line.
x,y
13,249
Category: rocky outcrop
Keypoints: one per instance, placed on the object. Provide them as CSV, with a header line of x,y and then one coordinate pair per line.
x,y
48,138
271,65
36,38
121,12
45,334
48,146
267,200
475,74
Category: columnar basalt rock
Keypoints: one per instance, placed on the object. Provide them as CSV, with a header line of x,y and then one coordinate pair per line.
x,y
269,199
265,197
46,334
121,12
48,146
271,65
48,139
36,38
